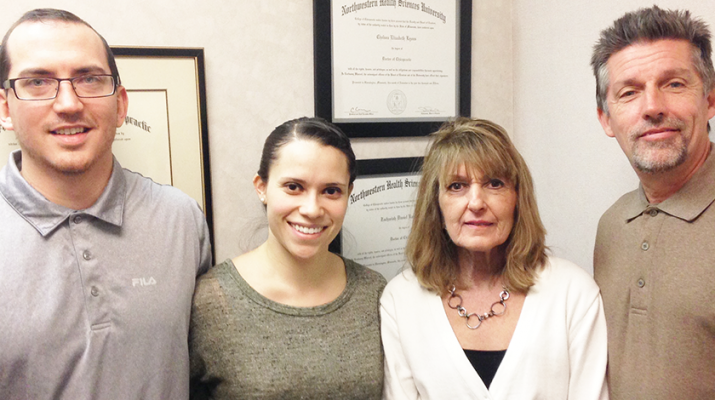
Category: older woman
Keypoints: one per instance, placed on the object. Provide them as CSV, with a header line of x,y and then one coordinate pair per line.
x,y
290,320
484,313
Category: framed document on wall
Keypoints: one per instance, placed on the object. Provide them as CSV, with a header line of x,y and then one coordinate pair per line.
x,y
379,216
165,133
392,67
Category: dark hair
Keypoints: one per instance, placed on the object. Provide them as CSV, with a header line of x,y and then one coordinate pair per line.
x,y
306,128
482,147
646,25
51,14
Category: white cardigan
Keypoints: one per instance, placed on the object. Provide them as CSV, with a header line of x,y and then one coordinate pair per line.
x,y
558,350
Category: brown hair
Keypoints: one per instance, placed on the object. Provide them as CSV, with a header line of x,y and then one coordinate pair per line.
x,y
481,146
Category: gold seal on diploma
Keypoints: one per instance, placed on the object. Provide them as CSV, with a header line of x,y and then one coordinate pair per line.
x,y
396,101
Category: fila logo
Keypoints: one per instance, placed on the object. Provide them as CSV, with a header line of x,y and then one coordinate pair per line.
x,y
143,281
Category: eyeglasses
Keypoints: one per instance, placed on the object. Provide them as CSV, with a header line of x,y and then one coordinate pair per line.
x,y
85,86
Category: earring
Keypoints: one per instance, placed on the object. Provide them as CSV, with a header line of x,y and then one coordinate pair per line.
x,y
263,200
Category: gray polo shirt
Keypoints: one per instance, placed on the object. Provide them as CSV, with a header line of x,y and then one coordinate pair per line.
x,y
96,303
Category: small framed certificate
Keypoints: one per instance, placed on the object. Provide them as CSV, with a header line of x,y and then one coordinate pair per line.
x,y
379,216
165,133
392,67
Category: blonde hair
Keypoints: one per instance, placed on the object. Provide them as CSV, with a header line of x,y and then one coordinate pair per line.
x,y
481,146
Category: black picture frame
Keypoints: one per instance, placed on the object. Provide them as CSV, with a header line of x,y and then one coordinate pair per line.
x,y
149,56
322,52
380,167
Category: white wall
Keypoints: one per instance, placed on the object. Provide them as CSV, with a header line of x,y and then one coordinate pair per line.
x,y
579,171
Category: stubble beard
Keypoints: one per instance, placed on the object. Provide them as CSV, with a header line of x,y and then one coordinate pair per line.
x,y
68,164
659,156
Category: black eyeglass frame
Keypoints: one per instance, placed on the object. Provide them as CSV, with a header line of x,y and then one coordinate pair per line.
x,y
10,84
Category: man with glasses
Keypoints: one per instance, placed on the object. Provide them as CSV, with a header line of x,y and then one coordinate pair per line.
x,y
39,88
97,263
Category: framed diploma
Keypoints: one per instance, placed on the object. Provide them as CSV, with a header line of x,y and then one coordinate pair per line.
x,y
165,133
392,67
379,216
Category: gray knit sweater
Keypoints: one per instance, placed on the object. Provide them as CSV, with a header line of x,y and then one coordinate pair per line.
x,y
245,346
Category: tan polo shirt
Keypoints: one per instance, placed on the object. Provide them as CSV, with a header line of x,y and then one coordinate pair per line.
x,y
655,265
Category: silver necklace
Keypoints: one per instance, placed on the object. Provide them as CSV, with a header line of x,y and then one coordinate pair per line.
x,y
503,297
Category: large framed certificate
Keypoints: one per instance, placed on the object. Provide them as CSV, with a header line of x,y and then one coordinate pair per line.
x,y
379,215
392,67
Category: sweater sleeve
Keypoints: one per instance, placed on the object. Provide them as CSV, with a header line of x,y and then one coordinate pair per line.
x,y
399,383
207,312
588,353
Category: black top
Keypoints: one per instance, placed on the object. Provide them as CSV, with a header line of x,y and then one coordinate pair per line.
x,y
485,363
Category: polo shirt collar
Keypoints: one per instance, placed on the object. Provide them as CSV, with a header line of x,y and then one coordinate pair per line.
x,y
46,216
688,202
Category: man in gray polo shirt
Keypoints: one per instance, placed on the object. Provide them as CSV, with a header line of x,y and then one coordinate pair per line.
x,y
97,263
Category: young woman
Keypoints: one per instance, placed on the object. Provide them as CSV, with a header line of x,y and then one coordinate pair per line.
x,y
290,319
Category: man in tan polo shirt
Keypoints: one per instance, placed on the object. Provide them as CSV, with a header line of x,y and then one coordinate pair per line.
x,y
655,248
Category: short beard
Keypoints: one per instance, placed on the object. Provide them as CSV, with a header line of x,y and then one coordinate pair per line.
x,y
676,149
